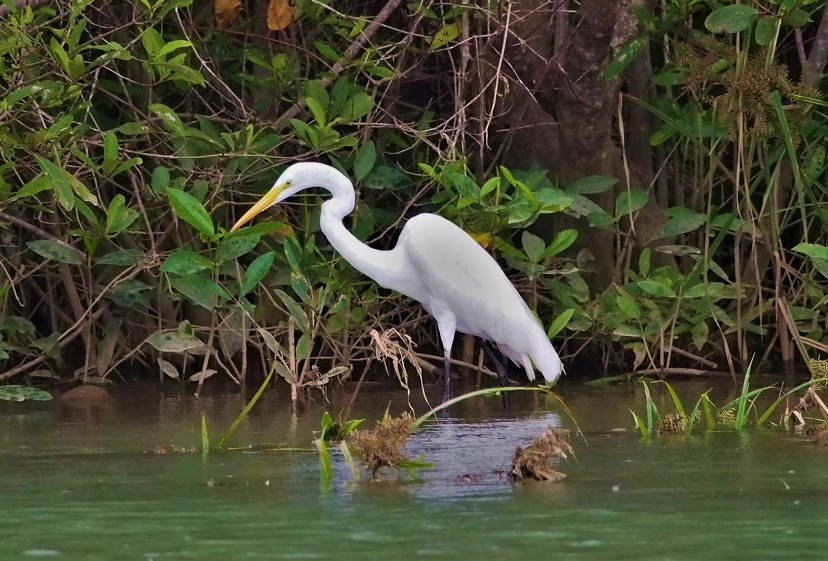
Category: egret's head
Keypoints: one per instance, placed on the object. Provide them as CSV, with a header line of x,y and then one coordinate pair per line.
x,y
294,179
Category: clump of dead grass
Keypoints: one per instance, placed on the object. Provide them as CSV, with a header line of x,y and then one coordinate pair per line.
x,y
676,422
532,462
383,446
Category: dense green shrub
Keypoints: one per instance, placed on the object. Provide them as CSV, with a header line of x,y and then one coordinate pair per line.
x,y
131,135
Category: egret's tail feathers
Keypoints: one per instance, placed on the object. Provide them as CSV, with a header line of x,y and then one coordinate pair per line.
x,y
527,366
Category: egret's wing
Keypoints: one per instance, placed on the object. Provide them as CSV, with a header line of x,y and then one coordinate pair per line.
x,y
455,273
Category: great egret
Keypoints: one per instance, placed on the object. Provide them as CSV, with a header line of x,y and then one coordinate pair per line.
x,y
437,264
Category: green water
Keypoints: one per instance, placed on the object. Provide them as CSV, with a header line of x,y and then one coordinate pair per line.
x,y
85,484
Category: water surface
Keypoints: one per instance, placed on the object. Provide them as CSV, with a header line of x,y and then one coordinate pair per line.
x,y
86,484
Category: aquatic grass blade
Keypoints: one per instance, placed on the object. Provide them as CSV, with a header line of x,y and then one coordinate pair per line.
x,y
205,440
702,403
349,459
749,398
492,391
707,405
229,432
325,469
763,418
652,410
742,400
640,425
676,401
415,464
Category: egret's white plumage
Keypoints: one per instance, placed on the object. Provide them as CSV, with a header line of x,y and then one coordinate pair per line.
x,y
434,262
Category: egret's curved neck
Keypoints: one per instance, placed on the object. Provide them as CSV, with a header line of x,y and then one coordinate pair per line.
x,y
374,263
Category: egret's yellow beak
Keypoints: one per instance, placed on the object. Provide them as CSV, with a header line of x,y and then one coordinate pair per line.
x,y
261,205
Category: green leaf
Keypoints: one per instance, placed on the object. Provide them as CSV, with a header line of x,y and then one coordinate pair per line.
x,y
668,78
797,18
562,241
13,392
818,255
303,346
239,243
168,117
295,310
533,246
160,179
489,186
681,224
365,159
591,184
654,288
132,128
628,306
152,41
559,323
120,257
662,135
628,52
256,272
189,209
185,262
630,201
765,30
118,216
599,219
444,36
172,46
385,177
174,341
110,142
357,107
201,291
644,262
56,251
35,186
730,19
123,166
317,110
814,165
326,51
130,294
700,333
700,290
66,183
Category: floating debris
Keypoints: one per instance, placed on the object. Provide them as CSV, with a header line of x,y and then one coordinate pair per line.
x,y
676,422
383,446
726,416
819,369
532,462
469,478
809,401
164,449
820,436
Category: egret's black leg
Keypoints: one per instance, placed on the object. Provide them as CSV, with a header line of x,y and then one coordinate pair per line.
x,y
500,369
446,375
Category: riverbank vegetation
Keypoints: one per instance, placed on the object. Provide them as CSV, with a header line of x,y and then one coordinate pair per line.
x,y
651,175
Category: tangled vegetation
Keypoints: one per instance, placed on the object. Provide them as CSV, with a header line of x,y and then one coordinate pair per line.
x,y
654,182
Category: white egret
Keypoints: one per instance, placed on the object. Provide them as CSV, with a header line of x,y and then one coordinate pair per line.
x,y
437,264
